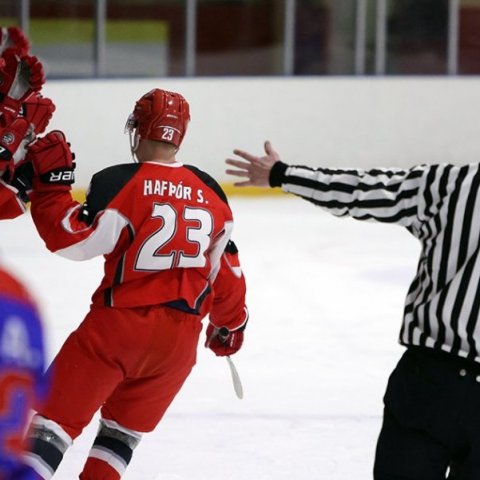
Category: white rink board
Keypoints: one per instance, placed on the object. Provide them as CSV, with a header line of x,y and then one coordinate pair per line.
x,y
329,121
326,298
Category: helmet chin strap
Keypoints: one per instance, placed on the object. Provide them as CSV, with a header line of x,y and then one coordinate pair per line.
x,y
134,142
134,138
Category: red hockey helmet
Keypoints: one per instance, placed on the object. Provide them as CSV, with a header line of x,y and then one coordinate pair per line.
x,y
160,115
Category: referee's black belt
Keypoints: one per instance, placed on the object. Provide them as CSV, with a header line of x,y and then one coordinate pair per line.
x,y
444,360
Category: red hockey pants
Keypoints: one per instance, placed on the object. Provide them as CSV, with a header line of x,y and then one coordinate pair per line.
x,y
130,362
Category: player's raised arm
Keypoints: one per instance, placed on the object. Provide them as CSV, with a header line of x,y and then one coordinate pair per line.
x,y
53,167
61,221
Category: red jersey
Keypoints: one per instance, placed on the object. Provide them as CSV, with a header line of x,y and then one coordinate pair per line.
x,y
164,230
11,205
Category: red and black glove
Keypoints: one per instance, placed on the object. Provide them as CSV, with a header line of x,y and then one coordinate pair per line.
x,y
13,37
20,76
223,341
38,111
52,163
13,139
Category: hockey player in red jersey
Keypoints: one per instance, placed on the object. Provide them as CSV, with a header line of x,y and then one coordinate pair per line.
x,y
164,229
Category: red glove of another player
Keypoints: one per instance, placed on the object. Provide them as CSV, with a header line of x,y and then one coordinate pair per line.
x,y
38,111
13,37
223,341
52,162
20,76
12,138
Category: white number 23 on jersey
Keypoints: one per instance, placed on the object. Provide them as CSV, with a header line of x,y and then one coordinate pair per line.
x,y
148,257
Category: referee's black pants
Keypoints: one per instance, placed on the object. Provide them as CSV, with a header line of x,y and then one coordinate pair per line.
x,y
431,423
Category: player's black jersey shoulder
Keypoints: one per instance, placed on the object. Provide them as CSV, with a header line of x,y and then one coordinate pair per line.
x,y
209,181
105,186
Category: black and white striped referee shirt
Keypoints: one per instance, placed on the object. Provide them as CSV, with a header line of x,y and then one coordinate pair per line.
x,y
439,205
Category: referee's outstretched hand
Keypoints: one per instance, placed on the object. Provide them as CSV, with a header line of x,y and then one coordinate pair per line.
x,y
255,169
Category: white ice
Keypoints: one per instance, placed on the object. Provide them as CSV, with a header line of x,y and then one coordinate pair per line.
x,y
326,298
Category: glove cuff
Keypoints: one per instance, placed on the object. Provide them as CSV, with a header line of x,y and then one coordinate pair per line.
x,y
59,179
39,187
58,176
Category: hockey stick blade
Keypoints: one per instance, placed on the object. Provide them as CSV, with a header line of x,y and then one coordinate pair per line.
x,y
237,384
223,333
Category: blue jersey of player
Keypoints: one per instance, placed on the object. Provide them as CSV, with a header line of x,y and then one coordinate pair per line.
x,y
21,371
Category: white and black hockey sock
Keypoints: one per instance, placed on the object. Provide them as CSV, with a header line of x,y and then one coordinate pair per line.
x,y
48,443
114,445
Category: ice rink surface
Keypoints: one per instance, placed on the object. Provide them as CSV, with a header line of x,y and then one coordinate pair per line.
x,y
325,297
